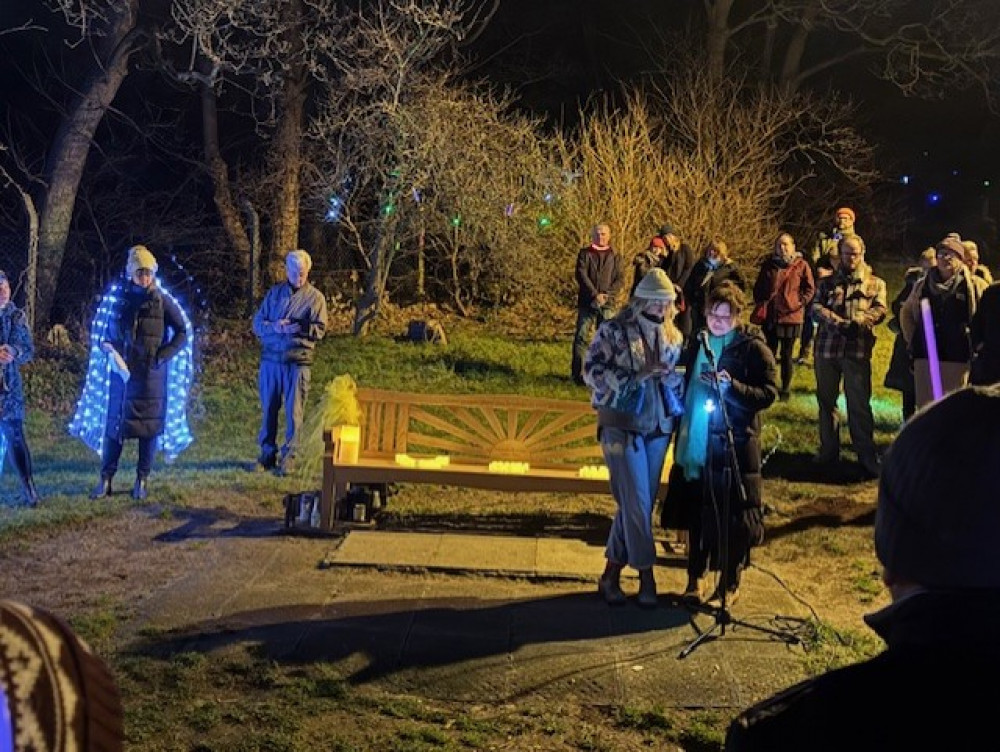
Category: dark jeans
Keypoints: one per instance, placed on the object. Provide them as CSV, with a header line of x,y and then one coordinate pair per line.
x,y
112,452
587,319
782,348
288,383
857,379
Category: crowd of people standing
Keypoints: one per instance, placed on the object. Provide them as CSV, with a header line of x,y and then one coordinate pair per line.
x,y
829,304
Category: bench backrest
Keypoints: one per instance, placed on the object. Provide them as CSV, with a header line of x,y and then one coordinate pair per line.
x,y
479,428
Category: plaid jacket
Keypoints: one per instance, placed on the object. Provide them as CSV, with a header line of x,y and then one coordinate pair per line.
x,y
847,308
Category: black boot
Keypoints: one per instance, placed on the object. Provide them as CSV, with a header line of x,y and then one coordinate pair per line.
x,y
31,497
139,492
21,458
102,489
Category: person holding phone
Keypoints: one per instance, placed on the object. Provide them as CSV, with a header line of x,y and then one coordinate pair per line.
x,y
636,389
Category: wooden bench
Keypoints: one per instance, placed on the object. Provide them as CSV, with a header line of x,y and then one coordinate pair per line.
x,y
555,437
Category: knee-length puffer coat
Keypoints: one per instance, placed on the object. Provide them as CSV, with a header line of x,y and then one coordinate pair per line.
x,y
147,329
753,389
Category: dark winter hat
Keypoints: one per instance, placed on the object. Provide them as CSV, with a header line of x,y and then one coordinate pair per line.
x,y
59,694
952,245
666,230
938,518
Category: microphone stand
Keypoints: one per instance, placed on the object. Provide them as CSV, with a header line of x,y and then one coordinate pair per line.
x,y
721,616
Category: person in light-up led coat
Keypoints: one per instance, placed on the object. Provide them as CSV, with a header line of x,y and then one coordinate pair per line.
x,y
136,390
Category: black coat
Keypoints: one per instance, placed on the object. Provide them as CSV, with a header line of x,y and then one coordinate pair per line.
x,y
933,689
985,334
753,389
702,280
147,329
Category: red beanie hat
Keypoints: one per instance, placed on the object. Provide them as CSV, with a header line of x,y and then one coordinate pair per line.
x,y
846,210
657,242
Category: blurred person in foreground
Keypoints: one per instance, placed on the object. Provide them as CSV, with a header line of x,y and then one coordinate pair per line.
x,y
782,294
748,383
953,292
291,319
936,531
58,695
599,279
16,349
630,368
849,305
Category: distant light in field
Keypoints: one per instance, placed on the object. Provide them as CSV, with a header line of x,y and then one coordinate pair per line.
x,y
986,184
509,210
905,180
933,198
954,173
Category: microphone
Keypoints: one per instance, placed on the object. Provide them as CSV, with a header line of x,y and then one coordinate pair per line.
x,y
703,339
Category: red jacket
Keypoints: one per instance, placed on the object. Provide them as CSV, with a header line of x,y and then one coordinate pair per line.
x,y
789,289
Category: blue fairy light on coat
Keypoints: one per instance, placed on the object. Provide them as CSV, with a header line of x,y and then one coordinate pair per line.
x,y
90,419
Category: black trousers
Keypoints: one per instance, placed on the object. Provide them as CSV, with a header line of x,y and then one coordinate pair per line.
x,y
113,451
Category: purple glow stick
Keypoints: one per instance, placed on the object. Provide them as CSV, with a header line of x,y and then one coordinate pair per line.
x,y
932,354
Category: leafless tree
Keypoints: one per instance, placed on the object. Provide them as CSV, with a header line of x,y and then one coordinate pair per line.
x,y
923,48
381,59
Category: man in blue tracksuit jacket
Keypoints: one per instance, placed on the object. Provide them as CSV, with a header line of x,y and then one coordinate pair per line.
x,y
290,321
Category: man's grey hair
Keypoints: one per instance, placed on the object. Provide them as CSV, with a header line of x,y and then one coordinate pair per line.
x,y
304,259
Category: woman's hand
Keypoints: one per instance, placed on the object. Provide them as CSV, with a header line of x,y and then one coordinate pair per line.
x,y
653,370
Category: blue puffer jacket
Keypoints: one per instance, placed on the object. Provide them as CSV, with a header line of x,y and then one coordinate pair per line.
x,y
14,332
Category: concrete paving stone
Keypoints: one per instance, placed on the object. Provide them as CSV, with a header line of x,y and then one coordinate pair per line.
x,y
490,552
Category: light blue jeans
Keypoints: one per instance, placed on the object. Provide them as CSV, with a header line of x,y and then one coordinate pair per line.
x,y
635,463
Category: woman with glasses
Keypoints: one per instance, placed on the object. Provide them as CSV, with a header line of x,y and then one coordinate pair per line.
x,y
783,291
741,372
953,293
146,329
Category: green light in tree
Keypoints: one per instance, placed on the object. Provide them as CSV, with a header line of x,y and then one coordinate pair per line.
x,y
389,209
544,221
456,221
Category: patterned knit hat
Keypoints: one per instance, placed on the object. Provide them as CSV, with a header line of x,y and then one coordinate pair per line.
x,y
60,696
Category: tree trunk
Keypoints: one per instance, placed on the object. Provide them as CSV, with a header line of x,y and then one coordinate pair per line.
x,y
792,66
717,37
288,150
70,149
222,193
288,153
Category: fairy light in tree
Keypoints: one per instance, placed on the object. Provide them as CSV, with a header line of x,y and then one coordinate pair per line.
x,y
91,414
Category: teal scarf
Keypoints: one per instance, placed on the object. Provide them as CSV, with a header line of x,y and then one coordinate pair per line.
x,y
692,439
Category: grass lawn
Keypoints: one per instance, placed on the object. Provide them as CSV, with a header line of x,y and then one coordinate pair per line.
x,y
179,692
